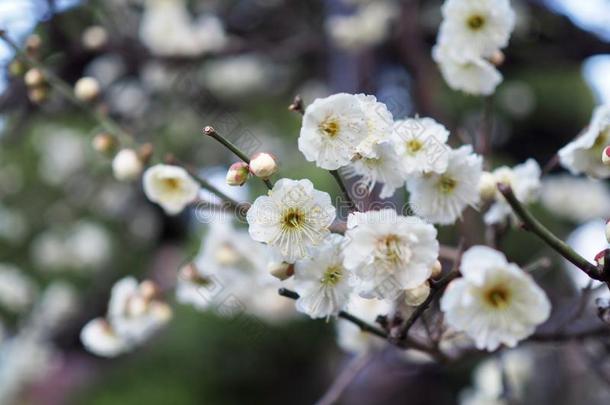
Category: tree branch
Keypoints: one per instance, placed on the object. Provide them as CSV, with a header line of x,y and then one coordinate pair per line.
x,y
533,225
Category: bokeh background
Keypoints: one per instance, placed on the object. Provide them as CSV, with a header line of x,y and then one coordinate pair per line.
x,y
68,224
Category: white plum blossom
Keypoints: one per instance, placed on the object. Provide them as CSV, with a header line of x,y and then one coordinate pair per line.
x,y
494,302
563,196
388,252
229,262
134,315
233,77
584,154
293,217
477,26
353,339
441,198
466,72
98,337
421,145
524,180
332,129
126,165
368,26
384,168
321,281
134,312
170,186
167,29
379,122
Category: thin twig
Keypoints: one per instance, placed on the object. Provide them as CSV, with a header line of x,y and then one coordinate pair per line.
x,y
337,176
211,132
66,90
533,225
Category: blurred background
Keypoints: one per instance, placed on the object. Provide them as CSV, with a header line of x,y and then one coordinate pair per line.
x,y
69,230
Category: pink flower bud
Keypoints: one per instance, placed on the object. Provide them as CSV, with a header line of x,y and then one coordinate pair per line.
x,y
237,174
263,165
600,258
606,156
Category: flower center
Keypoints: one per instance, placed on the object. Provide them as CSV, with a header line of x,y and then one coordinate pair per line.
x,y
476,22
392,251
293,218
447,184
414,146
171,183
330,127
332,276
498,297
601,142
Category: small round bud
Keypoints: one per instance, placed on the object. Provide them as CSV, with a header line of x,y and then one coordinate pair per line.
x,y
161,311
34,78
16,68
95,37
145,152
497,58
487,186
208,130
606,156
437,269
263,165
238,174
600,258
87,89
38,95
33,44
104,143
148,289
126,165
281,270
136,305
416,296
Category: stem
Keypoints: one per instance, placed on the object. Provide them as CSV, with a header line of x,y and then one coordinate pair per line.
x,y
363,325
337,176
533,225
211,132
66,90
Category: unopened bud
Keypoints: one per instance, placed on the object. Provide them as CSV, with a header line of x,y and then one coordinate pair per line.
x,y
104,143
600,258
606,156
38,95
145,152
126,165
95,37
161,311
87,89
281,270
34,78
33,44
148,289
416,296
487,186
136,306
263,165
497,58
437,269
16,68
238,174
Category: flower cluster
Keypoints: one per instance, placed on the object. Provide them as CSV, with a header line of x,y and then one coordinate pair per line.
x,y
134,315
469,42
